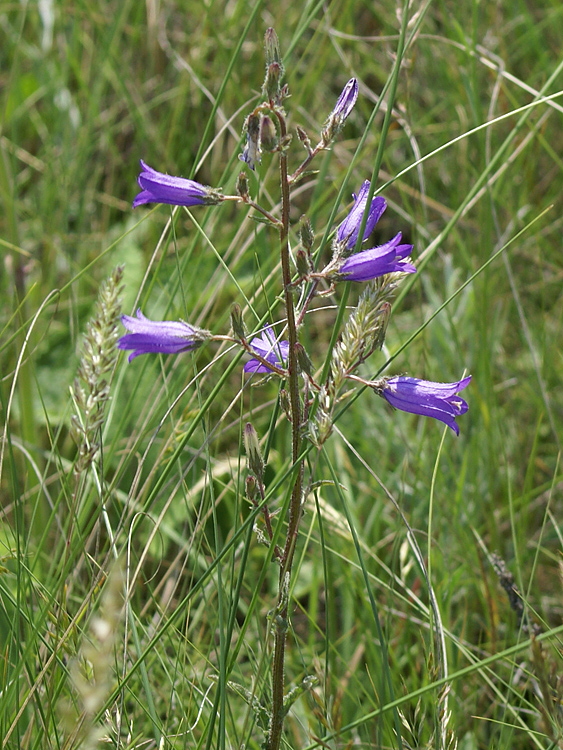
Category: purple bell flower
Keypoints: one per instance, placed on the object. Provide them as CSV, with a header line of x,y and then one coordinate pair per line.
x,y
348,231
270,349
175,191
377,261
437,400
159,336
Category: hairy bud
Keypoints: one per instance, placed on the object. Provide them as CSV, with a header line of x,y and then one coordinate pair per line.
x,y
242,186
268,135
306,234
253,452
237,323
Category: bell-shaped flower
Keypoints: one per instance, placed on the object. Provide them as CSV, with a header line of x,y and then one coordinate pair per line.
x,y
267,346
377,261
175,191
347,233
159,336
437,400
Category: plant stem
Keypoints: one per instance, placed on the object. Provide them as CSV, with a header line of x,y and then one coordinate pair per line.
x,y
280,620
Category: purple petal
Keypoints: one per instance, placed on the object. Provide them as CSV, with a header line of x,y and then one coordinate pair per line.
x,y
349,229
378,261
163,188
270,349
158,336
437,400
346,100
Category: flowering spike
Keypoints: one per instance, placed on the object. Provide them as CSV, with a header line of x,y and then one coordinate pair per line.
x,y
369,264
338,116
270,349
175,191
437,400
159,336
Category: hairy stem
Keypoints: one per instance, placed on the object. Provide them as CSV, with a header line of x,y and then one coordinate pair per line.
x,y
280,620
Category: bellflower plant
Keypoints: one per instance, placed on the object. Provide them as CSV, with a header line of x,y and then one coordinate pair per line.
x,y
310,396
176,191
159,336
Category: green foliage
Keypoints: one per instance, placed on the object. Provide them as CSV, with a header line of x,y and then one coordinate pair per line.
x,y
88,89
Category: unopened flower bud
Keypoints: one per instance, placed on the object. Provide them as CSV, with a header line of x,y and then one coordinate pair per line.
x,y
253,452
237,323
268,135
251,487
272,47
274,66
303,361
304,138
271,85
343,107
242,186
303,263
306,234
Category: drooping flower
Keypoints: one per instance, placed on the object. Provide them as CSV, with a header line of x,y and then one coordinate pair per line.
x,y
347,233
437,400
175,191
377,261
344,105
159,336
270,349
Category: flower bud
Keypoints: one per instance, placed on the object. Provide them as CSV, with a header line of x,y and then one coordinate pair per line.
x,y
242,186
253,452
302,262
272,47
343,107
303,361
271,85
306,234
237,323
304,138
268,135
251,487
274,65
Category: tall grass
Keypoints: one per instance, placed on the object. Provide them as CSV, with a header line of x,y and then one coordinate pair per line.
x,y
400,620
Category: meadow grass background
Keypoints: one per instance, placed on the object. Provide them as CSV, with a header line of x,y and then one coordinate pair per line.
x,y
88,88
